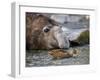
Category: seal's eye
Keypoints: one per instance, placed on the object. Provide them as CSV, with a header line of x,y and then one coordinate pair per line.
x,y
46,30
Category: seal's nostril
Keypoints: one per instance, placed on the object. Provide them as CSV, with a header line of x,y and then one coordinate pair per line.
x,y
46,30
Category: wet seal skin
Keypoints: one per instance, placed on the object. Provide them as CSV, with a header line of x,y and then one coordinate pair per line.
x,y
41,29
59,53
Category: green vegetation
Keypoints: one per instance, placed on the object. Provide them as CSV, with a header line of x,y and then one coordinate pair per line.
x,y
83,38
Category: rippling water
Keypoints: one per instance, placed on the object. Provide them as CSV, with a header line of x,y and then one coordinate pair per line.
x,y
37,58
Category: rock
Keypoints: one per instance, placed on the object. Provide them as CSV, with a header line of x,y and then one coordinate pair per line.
x,y
59,18
82,38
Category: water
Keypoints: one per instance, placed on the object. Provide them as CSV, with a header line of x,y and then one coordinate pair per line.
x,y
42,58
